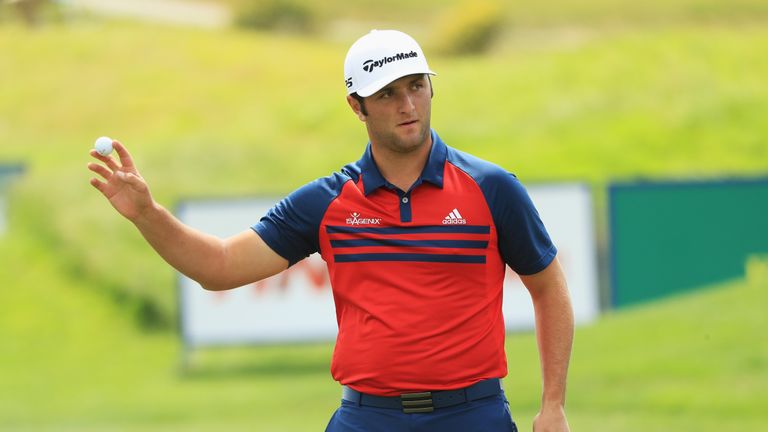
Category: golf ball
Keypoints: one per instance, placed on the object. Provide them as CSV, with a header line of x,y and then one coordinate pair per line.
x,y
103,145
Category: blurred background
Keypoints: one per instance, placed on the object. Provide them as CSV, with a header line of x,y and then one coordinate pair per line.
x,y
658,107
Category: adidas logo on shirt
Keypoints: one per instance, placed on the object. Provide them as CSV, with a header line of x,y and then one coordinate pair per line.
x,y
454,218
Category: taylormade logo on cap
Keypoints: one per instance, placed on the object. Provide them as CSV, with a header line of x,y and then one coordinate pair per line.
x,y
369,65
380,57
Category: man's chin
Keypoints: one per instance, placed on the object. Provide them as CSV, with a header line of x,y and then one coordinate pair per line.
x,y
413,132
403,139
411,142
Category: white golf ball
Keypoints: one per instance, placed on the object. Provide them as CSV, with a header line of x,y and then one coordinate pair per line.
x,y
103,145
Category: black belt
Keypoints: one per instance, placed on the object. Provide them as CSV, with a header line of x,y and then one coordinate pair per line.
x,y
424,402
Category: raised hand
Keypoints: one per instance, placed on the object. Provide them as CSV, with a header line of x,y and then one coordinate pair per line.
x,y
122,184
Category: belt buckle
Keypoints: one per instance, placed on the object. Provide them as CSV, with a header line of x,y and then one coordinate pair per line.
x,y
417,402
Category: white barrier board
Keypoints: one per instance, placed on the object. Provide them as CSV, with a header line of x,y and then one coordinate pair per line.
x,y
297,305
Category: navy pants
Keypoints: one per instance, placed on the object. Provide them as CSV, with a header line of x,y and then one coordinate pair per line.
x,y
483,415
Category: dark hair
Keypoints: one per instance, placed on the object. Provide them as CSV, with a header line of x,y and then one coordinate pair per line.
x,y
362,99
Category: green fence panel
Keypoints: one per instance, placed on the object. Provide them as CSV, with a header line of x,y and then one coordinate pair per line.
x,y
671,237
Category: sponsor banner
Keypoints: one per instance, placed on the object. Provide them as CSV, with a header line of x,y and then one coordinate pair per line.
x,y
566,210
293,306
297,305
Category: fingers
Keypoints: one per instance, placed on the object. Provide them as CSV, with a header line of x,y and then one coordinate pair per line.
x,y
100,170
123,172
126,161
133,180
108,160
98,184
130,179
125,158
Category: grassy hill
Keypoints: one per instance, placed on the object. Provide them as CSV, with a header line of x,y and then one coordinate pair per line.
x,y
238,113
235,113
532,12
70,360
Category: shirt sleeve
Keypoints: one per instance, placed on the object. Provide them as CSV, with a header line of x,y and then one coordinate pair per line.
x,y
524,242
291,227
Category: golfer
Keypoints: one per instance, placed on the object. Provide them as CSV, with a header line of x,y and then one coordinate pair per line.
x,y
416,236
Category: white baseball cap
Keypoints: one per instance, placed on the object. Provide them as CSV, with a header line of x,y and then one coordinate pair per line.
x,y
380,57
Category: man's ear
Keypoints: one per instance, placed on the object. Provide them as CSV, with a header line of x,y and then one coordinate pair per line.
x,y
355,105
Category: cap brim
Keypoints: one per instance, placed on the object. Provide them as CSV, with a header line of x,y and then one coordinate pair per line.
x,y
380,84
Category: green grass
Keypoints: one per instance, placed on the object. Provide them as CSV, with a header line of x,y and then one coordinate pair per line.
x,y
681,365
235,113
532,12
70,360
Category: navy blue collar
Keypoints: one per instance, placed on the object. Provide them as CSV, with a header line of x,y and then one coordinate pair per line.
x,y
432,172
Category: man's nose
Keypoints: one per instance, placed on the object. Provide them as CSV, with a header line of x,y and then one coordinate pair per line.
x,y
406,103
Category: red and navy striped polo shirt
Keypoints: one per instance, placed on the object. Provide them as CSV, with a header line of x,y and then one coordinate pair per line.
x,y
417,275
